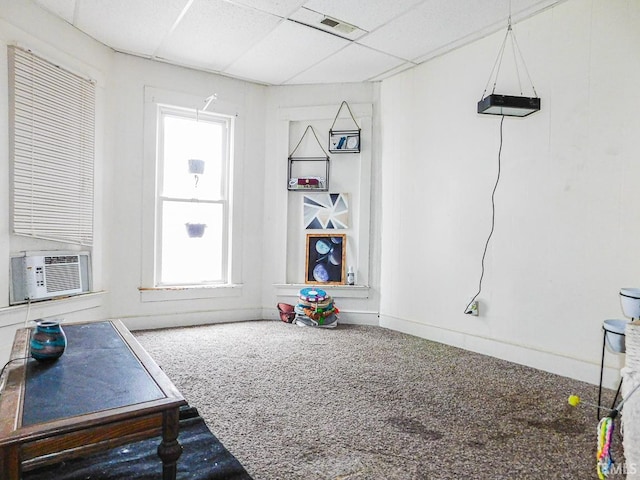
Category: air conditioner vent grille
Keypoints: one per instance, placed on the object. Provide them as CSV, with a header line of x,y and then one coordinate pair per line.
x,y
62,277
61,259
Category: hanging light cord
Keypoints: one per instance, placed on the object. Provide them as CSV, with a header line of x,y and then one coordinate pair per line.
x,y
493,221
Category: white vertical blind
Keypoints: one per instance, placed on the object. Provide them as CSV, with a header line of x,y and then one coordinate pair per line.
x,y
52,122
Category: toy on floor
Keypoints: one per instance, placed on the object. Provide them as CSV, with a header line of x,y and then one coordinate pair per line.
x,y
315,308
603,454
605,433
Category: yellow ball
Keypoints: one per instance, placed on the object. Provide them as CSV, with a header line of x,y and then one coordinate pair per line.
x,y
574,400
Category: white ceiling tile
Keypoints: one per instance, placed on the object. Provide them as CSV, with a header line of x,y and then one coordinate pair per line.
x,y
394,71
432,25
128,26
214,33
288,50
61,8
352,64
366,14
282,8
227,34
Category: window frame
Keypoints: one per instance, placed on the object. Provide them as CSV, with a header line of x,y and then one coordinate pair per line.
x,y
161,199
149,290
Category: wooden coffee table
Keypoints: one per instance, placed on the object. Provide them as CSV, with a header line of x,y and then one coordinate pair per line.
x,y
105,391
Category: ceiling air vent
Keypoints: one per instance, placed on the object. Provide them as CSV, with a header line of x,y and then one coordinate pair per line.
x,y
342,27
329,22
325,23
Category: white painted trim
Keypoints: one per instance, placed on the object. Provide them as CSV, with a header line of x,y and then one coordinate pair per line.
x,y
171,320
16,315
364,223
336,291
163,294
296,114
281,199
578,369
152,97
359,318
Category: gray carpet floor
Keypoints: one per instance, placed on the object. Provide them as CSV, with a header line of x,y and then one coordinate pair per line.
x,y
362,402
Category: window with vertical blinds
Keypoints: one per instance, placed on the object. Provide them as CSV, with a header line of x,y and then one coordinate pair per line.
x,y
52,146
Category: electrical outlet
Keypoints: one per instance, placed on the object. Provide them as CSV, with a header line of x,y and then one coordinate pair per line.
x,y
472,309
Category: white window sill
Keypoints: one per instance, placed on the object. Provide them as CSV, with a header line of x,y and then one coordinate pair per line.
x,y
16,314
336,291
164,294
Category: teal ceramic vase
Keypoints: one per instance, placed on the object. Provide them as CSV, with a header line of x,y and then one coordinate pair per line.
x,y
48,341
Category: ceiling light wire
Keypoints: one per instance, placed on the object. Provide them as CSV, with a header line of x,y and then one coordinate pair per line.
x,y
493,220
517,47
515,58
497,64
510,34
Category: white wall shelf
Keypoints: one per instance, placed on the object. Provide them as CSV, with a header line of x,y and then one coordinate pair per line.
x,y
336,291
309,180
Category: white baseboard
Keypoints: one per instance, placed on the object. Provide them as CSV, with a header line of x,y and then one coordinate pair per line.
x,y
548,361
190,319
359,318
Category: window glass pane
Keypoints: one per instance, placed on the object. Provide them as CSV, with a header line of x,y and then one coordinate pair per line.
x,y
192,243
193,155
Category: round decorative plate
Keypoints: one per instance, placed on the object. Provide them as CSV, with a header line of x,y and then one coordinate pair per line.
x,y
313,294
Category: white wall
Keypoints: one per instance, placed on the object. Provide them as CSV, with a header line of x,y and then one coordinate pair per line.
x,y
23,24
566,226
127,241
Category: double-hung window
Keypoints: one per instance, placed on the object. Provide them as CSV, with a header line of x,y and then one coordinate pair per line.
x,y
192,197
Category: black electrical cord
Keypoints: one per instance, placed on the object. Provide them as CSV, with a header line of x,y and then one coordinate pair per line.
x,y
7,364
493,221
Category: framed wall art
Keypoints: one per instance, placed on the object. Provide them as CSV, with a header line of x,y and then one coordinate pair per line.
x,y
326,211
325,259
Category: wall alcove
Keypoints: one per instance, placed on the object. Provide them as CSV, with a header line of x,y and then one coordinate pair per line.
x,y
350,174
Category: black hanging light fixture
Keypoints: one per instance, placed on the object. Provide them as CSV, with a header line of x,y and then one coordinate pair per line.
x,y
508,105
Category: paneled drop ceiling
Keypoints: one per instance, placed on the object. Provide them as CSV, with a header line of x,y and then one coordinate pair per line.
x,y
287,42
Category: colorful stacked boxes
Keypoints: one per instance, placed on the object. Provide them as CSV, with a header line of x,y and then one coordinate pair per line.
x,y
315,308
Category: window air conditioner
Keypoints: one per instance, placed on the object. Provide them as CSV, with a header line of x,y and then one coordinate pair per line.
x,y
45,275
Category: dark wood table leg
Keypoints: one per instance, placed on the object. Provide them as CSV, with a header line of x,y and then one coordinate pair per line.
x,y
170,449
10,468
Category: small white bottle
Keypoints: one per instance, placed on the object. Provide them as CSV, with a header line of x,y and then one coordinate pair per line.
x,y
351,276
